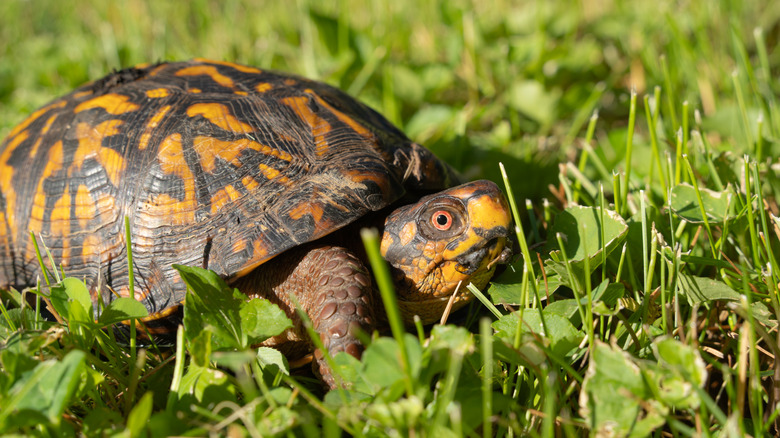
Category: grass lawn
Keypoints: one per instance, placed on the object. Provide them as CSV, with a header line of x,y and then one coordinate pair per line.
x,y
639,141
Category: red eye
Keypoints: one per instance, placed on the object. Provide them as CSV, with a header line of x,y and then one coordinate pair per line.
x,y
442,220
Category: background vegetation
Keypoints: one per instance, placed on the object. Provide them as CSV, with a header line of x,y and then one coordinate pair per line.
x,y
644,135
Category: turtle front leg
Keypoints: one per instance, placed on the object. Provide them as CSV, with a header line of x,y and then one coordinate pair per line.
x,y
334,289
340,304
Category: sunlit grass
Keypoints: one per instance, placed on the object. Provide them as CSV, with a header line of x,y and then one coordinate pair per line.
x,y
686,292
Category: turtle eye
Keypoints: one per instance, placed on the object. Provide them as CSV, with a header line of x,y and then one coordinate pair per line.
x,y
441,220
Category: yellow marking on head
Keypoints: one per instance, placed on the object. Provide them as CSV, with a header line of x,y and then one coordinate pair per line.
x,y
407,233
206,70
151,125
319,126
194,90
34,116
210,148
7,173
239,67
352,123
85,208
112,103
240,93
290,82
91,146
53,164
263,87
80,94
219,115
157,93
222,197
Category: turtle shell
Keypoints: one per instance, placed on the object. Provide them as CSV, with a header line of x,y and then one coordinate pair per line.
x,y
215,164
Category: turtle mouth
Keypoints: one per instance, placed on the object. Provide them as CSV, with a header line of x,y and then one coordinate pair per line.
x,y
494,251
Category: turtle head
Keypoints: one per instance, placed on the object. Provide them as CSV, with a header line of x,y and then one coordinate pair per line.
x,y
455,236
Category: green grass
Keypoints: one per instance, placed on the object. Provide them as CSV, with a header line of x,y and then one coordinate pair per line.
x,y
643,136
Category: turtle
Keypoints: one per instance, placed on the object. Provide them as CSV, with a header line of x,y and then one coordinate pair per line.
x,y
260,176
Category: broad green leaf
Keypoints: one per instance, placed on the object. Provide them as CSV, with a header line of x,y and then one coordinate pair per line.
x,y
558,329
139,416
570,223
532,99
206,385
451,337
702,289
200,348
122,309
262,319
681,370
77,291
615,399
71,300
48,389
718,206
234,320
382,360
272,359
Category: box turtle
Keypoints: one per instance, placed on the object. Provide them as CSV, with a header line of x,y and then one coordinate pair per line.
x,y
259,176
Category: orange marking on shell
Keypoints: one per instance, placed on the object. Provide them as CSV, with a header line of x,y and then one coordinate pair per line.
x,y
173,211
7,173
222,197
47,126
272,173
194,90
84,209
319,126
53,164
360,129
112,103
210,148
290,82
219,115
153,72
407,233
259,254
91,146
153,123
157,93
206,70
59,221
263,87
34,116
249,183
80,94
240,93
90,248
44,130
239,67
314,209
